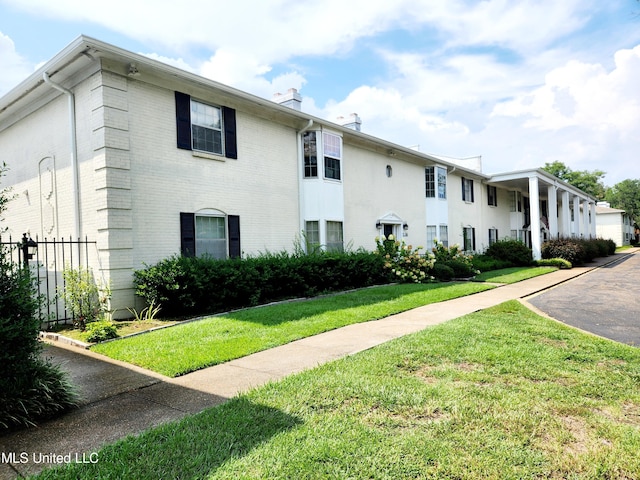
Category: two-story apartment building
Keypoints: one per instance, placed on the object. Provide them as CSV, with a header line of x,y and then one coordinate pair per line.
x,y
150,161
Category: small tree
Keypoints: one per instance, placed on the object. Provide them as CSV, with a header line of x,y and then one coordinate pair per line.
x,y
86,301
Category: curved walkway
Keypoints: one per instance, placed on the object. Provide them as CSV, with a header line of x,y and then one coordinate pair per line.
x,y
120,399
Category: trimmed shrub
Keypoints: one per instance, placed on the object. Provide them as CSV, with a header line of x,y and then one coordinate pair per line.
x,y
442,272
516,253
569,249
554,262
485,263
185,286
100,330
578,251
461,269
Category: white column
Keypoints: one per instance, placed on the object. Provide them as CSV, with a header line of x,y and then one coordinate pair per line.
x,y
566,215
534,203
576,216
552,205
592,205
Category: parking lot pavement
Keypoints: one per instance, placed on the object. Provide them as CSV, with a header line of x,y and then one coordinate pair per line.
x,y
606,301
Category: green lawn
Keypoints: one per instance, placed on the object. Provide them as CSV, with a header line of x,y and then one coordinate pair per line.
x,y
513,275
191,346
498,394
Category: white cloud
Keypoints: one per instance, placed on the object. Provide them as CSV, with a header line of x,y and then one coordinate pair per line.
x,y
13,66
584,95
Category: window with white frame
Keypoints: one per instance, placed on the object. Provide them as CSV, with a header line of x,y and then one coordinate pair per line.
x,y
312,233
492,196
335,240
467,190
442,183
206,128
211,239
332,149
430,182
493,236
432,235
435,181
515,201
309,140
444,235
469,238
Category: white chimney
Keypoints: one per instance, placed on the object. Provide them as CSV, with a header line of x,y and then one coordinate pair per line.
x,y
353,122
291,99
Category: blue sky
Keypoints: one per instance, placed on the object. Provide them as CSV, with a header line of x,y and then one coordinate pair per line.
x,y
519,82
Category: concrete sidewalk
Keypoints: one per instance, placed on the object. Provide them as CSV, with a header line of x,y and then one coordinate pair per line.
x,y
120,399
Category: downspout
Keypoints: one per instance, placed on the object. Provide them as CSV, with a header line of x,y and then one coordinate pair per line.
x,y
75,184
301,174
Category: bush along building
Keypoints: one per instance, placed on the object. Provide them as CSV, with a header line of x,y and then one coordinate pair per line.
x,y
147,161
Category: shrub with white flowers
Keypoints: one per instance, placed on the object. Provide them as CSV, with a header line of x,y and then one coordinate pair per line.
x,y
408,265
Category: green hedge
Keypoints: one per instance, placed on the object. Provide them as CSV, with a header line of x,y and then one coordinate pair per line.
x,y
194,286
576,250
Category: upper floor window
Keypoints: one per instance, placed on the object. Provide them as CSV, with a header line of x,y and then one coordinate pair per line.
x,y
492,195
442,183
332,148
310,147
467,190
515,200
204,127
430,182
435,181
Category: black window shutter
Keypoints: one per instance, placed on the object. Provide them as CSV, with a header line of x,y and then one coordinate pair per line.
x,y
229,122
471,184
183,120
233,224
473,239
187,234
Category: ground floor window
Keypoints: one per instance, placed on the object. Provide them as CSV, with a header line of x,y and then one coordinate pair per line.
x,y
469,234
444,235
335,240
216,236
432,235
493,236
211,237
312,234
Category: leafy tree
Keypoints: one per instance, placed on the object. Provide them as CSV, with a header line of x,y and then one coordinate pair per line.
x,y
588,182
626,196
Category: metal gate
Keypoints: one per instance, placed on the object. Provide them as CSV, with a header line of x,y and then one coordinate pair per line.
x,y
47,259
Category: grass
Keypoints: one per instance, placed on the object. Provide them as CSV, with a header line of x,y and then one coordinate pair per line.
x,y
226,337
513,275
498,394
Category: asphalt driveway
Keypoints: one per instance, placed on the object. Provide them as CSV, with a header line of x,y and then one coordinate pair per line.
x,y
605,301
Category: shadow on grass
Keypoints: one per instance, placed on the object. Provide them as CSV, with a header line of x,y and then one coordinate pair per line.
x,y
275,314
191,448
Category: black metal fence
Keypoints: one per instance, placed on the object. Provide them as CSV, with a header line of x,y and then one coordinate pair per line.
x,y
47,262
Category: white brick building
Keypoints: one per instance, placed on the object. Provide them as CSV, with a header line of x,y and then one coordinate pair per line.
x,y
150,161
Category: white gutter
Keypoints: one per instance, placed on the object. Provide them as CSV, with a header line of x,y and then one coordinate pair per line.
x,y
301,174
75,184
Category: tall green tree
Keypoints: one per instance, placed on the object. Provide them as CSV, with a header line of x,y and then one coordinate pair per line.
x,y
626,196
589,182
